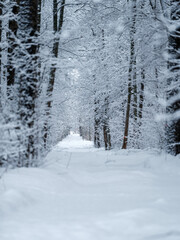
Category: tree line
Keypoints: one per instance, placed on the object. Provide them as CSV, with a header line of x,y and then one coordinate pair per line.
x,y
109,68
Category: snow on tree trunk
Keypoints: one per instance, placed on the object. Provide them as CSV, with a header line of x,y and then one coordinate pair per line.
x,y
132,87
173,99
12,44
27,80
57,28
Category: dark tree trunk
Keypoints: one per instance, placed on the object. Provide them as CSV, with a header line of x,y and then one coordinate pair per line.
x,y
106,128
28,77
126,130
11,36
141,96
80,131
131,77
173,125
1,13
140,108
97,142
105,115
57,28
39,15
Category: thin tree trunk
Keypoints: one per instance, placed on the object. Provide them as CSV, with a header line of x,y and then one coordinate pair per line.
x,y
126,130
135,93
106,128
141,105
131,74
105,117
96,125
141,97
135,105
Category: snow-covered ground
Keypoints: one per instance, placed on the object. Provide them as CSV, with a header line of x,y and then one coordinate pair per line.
x,y
86,194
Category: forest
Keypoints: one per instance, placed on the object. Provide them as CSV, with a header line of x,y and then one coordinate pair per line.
x,y
108,69
89,119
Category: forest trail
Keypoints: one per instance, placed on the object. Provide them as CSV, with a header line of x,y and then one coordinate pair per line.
x,y
82,193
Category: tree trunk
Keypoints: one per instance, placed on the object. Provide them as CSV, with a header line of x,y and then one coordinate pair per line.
x,y
141,105
131,76
39,16
28,78
97,142
126,130
57,28
11,36
141,97
106,128
173,125
1,13
105,117
135,105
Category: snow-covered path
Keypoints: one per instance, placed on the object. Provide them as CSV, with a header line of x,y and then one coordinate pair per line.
x,y
86,194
